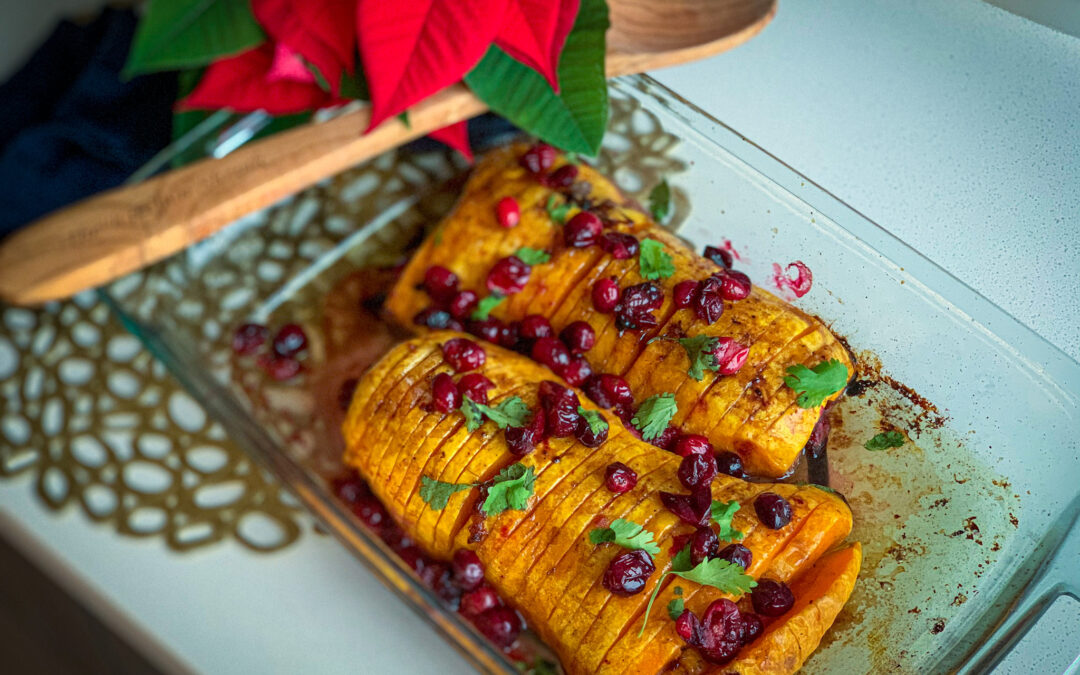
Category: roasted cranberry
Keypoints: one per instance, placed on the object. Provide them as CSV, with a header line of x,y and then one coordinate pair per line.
x,y
478,601
521,440
370,511
771,597
462,304
440,283
733,285
628,572
475,386
692,444
723,632
579,337
411,556
689,628
587,437
551,352
345,393
508,276
280,368
577,371
720,256
730,355
620,245
249,338
697,471
468,570
501,625
737,554
665,440
463,354
290,340
625,413
563,176
634,310
582,230
350,488
692,509
560,409
605,295
538,158
445,395
488,329
772,510
731,464
553,393
685,294
507,212
619,478
595,391
703,545
508,335
752,627
709,304
433,318
534,327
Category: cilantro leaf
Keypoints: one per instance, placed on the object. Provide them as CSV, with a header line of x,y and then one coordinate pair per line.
x,y
511,412
715,572
436,493
816,384
722,513
532,256
556,211
699,350
654,262
596,421
543,667
510,490
660,201
884,441
682,560
627,534
573,158
486,304
474,417
654,415
675,608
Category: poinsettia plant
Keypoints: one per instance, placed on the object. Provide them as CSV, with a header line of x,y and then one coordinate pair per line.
x,y
539,63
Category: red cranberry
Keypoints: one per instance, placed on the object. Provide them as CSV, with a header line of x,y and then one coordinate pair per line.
x,y
463,354
476,602
582,230
462,304
501,625
689,628
577,371
521,440
737,554
562,177
709,304
350,488
685,294
595,392
733,285
560,409
551,352
625,413
538,158
280,368
692,444
703,545
628,572
534,327
444,393
507,212
468,570
440,283
619,478
605,295
475,386
587,437
621,246
666,439
752,627
771,597
693,509
290,340
488,329
370,512
730,355
436,319
411,556
249,338
731,464
508,335
579,336
696,471
724,632
634,310
772,510
721,257
508,276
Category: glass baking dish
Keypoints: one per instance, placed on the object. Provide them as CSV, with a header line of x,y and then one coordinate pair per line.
x,y
957,524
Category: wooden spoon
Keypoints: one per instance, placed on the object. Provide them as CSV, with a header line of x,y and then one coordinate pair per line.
x,y
111,234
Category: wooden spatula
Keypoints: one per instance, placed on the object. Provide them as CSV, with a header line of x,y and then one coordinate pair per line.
x,y
122,230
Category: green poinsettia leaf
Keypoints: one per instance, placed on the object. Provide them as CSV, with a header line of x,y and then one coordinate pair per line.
x,y
575,118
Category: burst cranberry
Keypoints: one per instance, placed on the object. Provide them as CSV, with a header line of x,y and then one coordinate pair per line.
x,y
468,570
249,338
595,391
737,554
709,304
551,352
625,413
733,285
534,327
772,510
703,545
589,438
634,310
724,632
508,335
437,319
730,355
666,438
521,440
463,355
696,471
721,257
688,627
290,340
752,627
462,304
620,245
475,386
619,478
577,371
731,464
488,329
538,158
562,177
507,212
440,283
280,368
445,395
628,572
605,295
508,276
501,625
350,488
579,336
693,509
476,602
560,409
582,230
692,444
771,597
685,294
370,511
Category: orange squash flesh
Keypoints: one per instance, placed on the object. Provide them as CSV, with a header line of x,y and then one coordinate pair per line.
x,y
469,241
540,558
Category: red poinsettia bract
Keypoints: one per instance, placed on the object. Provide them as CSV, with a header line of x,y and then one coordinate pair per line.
x,y
534,32
321,31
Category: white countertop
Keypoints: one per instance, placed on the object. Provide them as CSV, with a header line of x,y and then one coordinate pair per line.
x,y
954,124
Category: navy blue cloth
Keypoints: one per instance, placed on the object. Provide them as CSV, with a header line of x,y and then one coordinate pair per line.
x,y
70,126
